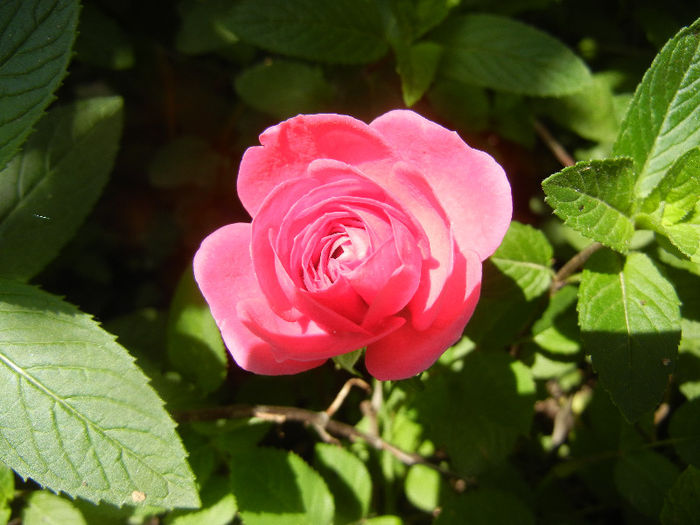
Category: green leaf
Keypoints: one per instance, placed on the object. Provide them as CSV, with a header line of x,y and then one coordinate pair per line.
x,y
414,18
685,432
416,66
630,320
682,505
643,478
342,31
465,105
44,508
596,199
422,486
673,207
274,487
101,41
78,416
283,88
661,121
485,507
478,431
348,360
194,343
506,55
218,506
206,26
47,191
37,37
557,330
525,256
348,480
7,493
383,520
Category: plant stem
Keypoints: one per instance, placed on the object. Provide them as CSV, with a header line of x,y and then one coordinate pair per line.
x,y
572,265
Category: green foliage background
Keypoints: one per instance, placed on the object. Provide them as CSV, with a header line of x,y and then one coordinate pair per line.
x,y
574,396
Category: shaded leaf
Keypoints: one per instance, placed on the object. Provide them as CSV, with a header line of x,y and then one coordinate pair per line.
x,y
557,330
685,432
78,416
417,65
485,507
596,199
642,478
630,320
682,505
101,40
205,26
37,37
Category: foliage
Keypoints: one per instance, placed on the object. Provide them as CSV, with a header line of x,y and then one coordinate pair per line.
x,y
574,394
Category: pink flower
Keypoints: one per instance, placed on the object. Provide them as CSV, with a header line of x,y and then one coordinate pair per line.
x,y
362,236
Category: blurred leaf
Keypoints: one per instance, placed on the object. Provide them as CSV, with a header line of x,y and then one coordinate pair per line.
x,y
557,330
682,505
673,207
525,256
414,18
195,347
383,520
7,493
342,31
275,487
422,486
101,41
206,25
74,400
348,360
348,480
47,191
503,54
186,159
283,88
465,105
685,432
218,506
44,507
630,320
596,199
511,118
485,507
417,65
643,478
661,121
37,37
476,430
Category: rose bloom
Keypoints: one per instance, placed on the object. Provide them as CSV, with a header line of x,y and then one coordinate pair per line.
x,y
362,236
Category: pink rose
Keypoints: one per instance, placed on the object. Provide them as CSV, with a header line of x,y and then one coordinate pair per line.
x,y
362,236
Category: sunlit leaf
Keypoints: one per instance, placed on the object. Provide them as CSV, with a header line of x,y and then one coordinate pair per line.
x,y
44,507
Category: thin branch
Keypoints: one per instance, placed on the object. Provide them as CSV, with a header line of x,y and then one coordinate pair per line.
x,y
338,401
572,265
553,144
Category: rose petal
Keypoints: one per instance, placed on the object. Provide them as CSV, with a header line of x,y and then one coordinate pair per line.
x,y
289,147
224,272
407,351
471,187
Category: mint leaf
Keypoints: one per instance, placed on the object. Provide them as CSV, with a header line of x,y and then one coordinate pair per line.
x,y
503,54
37,37
342,31
275,486
596,199
682,505
78,416
48,189
525,256
661,121
630,321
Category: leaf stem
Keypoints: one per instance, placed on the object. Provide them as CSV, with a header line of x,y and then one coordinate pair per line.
x,y
572,265
553,144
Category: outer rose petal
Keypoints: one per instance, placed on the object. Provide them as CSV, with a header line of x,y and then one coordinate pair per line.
x,y
471,187
224,271
289,147
407,351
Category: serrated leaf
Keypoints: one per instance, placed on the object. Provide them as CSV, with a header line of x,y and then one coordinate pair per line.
x,y
485,506
642,478
416,66
44,508
661,121
194,342
525,256
685,432
506,55
673,207
596,199
630,321
48,189
218,506
283,88
478,431
37,37
682,505
343,31
348,480
275,487
78,416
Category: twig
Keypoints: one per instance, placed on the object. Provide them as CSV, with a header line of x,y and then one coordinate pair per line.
x,y
338,401
572,265
318,420
553,144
